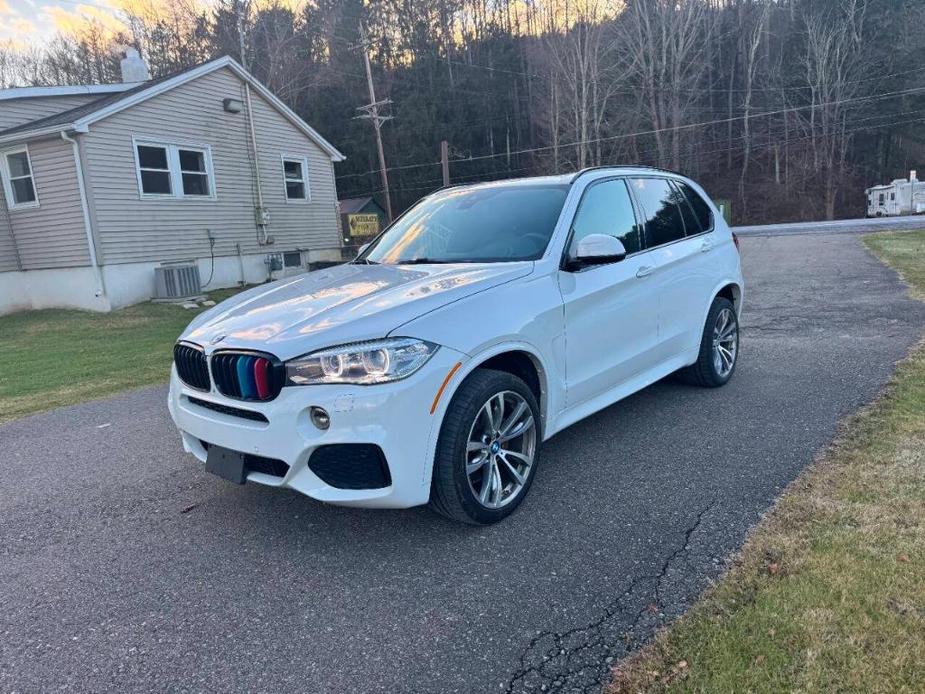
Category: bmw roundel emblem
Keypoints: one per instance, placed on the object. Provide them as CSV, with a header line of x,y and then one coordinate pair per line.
x,y
218,338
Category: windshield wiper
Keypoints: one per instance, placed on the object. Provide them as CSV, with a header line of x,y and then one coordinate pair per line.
x,y
425,261
365,261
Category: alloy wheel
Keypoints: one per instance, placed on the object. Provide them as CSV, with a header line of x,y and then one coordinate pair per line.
x,y
725,342
500,449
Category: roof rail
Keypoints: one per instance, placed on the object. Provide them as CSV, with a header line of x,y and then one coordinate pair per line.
x,y
602,167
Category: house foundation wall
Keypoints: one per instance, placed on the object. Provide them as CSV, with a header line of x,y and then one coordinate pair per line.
x,y
73,287
131,283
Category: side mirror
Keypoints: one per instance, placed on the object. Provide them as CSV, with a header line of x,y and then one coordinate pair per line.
x,y
361,249
597,249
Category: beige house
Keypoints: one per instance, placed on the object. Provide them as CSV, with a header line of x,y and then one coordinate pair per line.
x,y
203,170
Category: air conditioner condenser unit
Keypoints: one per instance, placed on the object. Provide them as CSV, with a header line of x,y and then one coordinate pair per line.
x,y
177,281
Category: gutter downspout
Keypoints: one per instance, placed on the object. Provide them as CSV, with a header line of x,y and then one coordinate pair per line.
x,y
253,133
85,205
9,229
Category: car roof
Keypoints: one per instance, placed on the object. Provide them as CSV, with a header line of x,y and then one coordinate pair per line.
x,y
567,179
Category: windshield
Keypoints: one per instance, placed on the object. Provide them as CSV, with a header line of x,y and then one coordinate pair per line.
x,y
474,225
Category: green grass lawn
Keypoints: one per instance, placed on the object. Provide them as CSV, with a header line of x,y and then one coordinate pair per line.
x,y
828,593
58,357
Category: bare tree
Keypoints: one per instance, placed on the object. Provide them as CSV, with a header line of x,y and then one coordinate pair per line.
x,y
665,41
581,66
752,41
833,61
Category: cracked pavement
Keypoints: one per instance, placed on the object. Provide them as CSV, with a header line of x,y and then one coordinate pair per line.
x,y
125,567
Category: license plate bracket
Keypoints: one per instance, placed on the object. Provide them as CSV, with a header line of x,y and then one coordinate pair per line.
x,y
227,464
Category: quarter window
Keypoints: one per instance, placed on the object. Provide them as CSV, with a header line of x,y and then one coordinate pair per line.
x,y
606,208
661,213
295,178
18,182
167,170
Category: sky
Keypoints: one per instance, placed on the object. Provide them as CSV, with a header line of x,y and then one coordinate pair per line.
x,y
31,21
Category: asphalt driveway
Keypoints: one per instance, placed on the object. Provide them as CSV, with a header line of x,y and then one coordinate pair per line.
x,y
125,567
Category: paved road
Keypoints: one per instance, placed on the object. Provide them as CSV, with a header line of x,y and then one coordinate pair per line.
x,y
838,226
124,567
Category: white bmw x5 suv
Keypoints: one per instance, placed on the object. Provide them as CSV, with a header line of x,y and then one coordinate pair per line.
x,y
483,321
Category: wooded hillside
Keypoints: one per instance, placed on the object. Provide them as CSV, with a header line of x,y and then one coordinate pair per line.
x,y
788,108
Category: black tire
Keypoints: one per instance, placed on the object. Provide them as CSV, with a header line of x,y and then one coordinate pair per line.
x,y
450,492
703,372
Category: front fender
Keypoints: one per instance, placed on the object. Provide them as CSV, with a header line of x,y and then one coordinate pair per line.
x,y
551,400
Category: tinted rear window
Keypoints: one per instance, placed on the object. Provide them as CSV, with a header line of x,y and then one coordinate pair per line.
x,y
661,213
691,225
701,208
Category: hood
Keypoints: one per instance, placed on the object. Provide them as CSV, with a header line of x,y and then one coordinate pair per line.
x,y
346,303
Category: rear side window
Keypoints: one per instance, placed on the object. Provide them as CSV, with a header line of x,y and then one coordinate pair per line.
x,y
691,225
660,210
606,208
701,209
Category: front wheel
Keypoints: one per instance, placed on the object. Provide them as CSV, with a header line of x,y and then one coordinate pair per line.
x,y
719,347
486,455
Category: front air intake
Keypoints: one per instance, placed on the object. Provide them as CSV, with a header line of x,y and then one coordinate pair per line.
x,y
253,376
351,466
191,365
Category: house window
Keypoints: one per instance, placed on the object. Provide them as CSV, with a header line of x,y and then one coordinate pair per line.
x,y
18,182
295,178
154,170
193,171
292,259
177,171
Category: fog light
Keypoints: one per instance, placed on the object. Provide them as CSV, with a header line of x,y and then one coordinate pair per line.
x,y
320,417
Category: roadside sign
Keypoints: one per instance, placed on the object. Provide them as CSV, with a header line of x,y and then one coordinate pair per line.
x,y
360,225
725,208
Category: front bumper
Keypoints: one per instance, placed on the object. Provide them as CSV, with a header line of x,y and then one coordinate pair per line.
x,y
394,416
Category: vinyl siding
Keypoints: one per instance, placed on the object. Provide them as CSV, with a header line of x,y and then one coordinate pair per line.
x,y
132,229
9,260
52,235
18,111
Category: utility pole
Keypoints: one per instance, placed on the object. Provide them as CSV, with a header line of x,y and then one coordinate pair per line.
x,y
445,161
371,112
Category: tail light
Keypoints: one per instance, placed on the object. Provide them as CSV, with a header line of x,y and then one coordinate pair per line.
x,y
735,240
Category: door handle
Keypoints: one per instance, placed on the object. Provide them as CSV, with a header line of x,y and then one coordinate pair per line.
x,y
644,271
706,246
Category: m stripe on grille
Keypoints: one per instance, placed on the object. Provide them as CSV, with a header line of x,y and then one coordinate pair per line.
x,y
247,376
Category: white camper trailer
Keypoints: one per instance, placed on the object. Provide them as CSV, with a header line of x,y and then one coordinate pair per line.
x,y
897,198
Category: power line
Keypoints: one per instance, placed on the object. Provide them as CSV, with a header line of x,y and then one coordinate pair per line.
x,y
718,121
659,130
690,146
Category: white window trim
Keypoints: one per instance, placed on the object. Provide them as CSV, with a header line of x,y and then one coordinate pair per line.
x,y
173,167
8,183
283,158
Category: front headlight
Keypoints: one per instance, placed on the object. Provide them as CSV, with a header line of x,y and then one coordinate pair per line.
x,y
362,363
